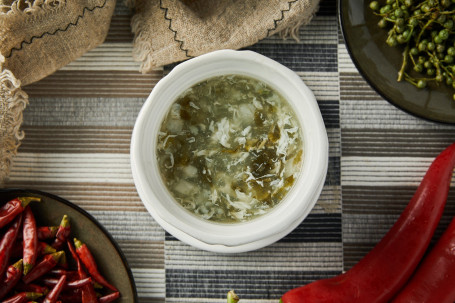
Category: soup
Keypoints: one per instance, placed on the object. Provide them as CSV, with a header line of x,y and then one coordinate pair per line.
x,y
230,148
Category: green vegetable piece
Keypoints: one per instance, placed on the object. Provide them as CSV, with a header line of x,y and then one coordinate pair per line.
x,y
232,297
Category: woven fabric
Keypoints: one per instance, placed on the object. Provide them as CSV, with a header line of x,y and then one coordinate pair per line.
x,y
13,101
167,31
36,39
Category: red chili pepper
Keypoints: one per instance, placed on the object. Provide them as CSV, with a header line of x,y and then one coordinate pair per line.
x,y
63,233
46,232
89,261
387,267
23,297
70,284
13,276
70,274
74,297
52,296
45,249
21,287
14,207
16,250
110,297
7,243
47,263
30,240
88,292
63,262
434,280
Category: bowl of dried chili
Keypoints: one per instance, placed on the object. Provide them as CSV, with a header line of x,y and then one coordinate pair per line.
x,y
229,152
79,236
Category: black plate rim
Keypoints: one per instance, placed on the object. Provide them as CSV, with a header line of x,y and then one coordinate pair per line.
x,y
91,218
370,82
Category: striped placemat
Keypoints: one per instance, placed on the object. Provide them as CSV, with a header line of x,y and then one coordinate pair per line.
x,y
78,127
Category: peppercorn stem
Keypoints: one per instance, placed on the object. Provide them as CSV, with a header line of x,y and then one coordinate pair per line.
x,y
423,30
404,64
232,297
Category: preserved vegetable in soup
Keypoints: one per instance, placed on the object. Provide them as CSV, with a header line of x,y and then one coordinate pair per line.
x,y
230,148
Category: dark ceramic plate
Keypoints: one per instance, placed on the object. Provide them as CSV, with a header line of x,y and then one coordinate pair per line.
x,y
378,63
111,261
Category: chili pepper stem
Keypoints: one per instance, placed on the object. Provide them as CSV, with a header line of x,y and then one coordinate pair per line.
x,y
26,200
65,221
27,268
34,295
232,297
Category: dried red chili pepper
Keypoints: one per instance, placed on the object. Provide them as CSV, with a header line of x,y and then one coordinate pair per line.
x,y
21,287
387,267
52,296
110,297
73,297
70,284
13,276
434,280
45,249
14,207
63,233
63,262
23,297
16,250
70,274
88,294
7,243
46,232
30,240
44,266
89,261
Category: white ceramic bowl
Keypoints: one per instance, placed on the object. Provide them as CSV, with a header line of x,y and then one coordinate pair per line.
x,y
233,237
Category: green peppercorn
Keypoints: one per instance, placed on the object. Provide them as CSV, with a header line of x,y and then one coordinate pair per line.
x,y
399,13
413,22
418,68
440,48
414,51
382,23
385,9
437,39
425,8
431,71
374,5
392,41
422,46
408,3
443,34
427,28
421,83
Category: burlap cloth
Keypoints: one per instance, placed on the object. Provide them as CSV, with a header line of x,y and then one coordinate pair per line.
x,y
167,31
37,37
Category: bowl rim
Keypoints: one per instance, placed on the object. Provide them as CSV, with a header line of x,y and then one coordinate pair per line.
x,y
218,237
